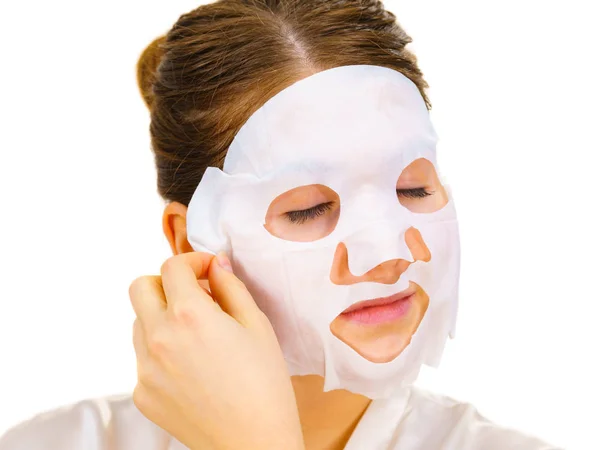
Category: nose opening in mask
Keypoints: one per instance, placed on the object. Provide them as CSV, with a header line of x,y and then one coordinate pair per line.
x,y
373,245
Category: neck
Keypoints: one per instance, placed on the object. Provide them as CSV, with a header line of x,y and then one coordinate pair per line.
x,y
328,418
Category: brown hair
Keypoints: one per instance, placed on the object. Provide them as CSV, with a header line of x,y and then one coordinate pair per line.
x,y
222,61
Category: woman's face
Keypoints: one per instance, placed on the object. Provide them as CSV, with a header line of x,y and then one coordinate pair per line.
x,y
322,167
380,329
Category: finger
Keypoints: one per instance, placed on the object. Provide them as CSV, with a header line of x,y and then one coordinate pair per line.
x,y
139,341
149,370
180,275
144,361
204,285
148,299
230,293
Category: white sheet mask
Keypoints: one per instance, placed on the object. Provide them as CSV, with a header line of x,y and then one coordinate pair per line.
x,y
353,129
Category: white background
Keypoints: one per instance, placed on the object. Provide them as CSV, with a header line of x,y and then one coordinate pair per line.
x,y
514,86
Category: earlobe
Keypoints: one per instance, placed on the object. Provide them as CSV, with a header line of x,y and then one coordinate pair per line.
x,y
174,227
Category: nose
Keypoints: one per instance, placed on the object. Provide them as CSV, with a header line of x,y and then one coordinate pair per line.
x,y
386,272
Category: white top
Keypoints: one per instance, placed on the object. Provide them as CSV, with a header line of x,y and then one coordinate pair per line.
x,y
418,421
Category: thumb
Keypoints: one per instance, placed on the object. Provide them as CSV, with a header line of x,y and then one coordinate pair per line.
x,y
230,293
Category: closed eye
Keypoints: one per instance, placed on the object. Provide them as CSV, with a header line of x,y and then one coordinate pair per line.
x,y
304,215
413,193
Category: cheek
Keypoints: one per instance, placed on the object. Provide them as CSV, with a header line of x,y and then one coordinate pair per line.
x,y
442,197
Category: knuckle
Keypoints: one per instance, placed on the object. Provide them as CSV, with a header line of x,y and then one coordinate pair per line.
x,y
137,286
185,314
158,343
148,403
169,265
141,399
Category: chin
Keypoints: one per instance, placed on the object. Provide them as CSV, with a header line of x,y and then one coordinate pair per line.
x,y
382,350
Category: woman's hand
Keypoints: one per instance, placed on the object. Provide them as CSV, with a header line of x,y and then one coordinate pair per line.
x,y
210,370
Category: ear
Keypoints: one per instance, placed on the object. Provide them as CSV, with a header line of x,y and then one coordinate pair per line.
x,y
174,228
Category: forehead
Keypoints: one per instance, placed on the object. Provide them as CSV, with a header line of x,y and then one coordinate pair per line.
x,y
338,117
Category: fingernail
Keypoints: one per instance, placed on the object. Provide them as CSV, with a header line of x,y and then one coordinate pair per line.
x,y
223,261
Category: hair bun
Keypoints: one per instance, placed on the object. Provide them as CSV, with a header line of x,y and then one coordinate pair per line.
x,y
146,69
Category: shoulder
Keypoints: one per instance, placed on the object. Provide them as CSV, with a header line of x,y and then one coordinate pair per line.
x,y
96,424
453,424
417,419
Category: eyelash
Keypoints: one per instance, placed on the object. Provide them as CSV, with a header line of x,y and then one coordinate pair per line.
x,y
300,217
413,193
304,215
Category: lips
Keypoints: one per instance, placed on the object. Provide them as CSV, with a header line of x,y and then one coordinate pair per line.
x,y
380,301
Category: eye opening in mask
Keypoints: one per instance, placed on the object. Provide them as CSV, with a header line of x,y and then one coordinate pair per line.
x,y
303,214
419,188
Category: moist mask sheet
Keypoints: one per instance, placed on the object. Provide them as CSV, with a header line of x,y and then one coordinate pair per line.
x,y
356,133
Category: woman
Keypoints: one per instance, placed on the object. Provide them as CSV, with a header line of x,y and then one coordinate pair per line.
x,y
279,129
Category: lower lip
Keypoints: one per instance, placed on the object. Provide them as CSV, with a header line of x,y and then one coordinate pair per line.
x,y
374,315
